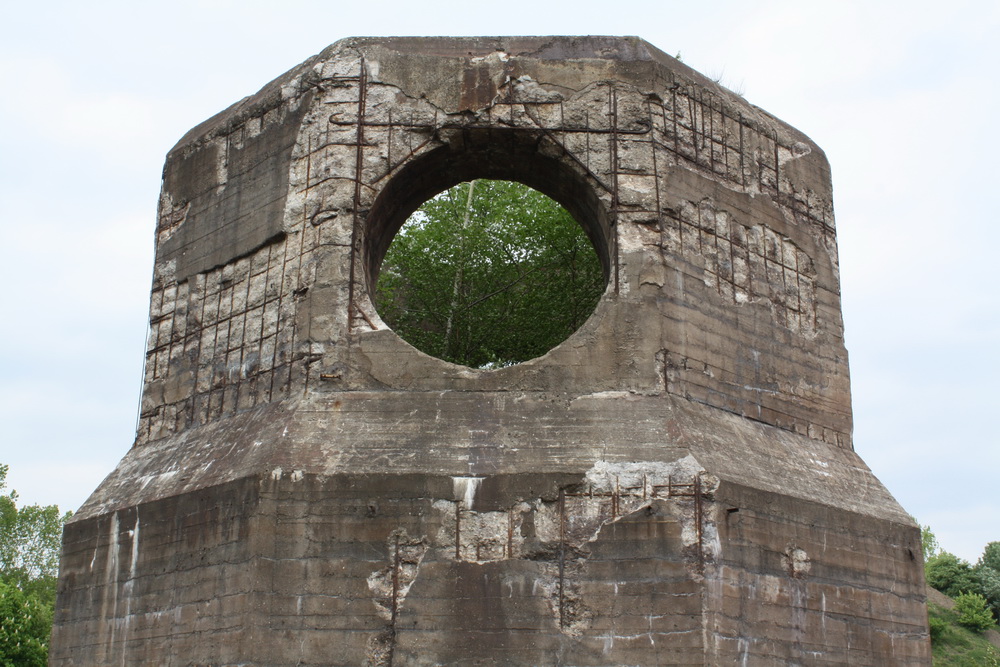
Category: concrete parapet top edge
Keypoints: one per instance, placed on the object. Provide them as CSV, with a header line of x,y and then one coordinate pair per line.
x,y
620,49
331,435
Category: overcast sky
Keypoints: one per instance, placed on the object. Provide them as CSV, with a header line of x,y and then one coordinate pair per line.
x,y
902,96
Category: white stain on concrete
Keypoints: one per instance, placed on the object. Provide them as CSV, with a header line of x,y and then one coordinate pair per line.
x,y
465,489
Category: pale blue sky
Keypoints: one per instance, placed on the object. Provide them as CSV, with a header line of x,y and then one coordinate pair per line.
x,y
900,95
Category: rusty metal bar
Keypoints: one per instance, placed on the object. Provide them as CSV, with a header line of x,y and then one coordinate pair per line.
x,y
673,111
392,167
389,170
215,346
388,141
659,208
571,155
644,127
344,78
777,180
672,490
725,144
711,130
395,583
562,515
687,157
510,103
365,317
694,126
281,292
510,534
263,328
743,173
616,498
698,518
358,167
458,530
613,108
562,558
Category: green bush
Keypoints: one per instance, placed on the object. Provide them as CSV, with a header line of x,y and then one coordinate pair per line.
x,y
937,627
973,613
988,575
989,587
950,574
955,646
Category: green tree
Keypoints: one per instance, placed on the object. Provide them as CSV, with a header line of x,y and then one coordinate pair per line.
x,y
30,539
950,574
928,542
991,556
973,612
987,573
25,624
488,274
989,586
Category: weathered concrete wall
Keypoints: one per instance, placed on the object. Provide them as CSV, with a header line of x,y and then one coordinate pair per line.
x,y
674,484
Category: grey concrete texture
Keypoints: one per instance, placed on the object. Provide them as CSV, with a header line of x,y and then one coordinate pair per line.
x,y
674,484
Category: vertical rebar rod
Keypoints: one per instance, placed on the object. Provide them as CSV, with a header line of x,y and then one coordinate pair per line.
x,y
358,168
458,530
510,533
613,108
698,521
656,178
743,173
777,180
395,583
562,558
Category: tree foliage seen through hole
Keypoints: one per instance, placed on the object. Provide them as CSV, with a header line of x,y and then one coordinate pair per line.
x,y
488,274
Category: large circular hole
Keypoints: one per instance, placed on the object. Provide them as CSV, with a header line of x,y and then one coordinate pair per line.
x,y
487,274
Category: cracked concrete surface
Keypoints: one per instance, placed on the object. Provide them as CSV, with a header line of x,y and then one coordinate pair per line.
x,y
674,484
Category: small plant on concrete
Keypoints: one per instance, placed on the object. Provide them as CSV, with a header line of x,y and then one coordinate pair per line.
x,y
973,612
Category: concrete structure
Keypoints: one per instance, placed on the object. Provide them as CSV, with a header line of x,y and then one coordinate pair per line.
x,y
673,485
